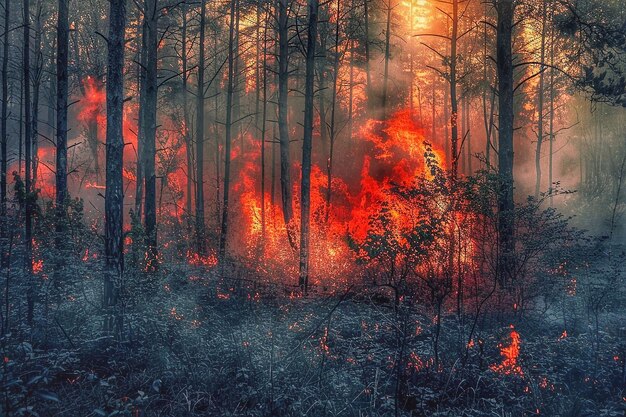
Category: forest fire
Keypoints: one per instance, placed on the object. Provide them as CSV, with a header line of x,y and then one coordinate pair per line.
x,y
305,207
398,160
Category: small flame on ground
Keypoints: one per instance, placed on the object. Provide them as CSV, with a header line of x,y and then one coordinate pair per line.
x,y
510,354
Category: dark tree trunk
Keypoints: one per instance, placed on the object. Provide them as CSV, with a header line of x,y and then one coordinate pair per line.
x,y
188,144
505,9
368,73
3,128
142,31
540,102
283,123
551,127
387,58
149,126
28,220
263,132
36,80
333,115
305,199
114,195
454,115
63,33
228,137
200,240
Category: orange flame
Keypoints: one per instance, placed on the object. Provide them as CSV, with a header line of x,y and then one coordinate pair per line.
x,y
510,354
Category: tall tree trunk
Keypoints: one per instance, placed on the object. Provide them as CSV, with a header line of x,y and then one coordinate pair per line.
x,y
504,65
257,69
3,130
236,116
187,135
114,195
387,58
36,80
333,115
142,31
263,132
368,73
305,198
463,132
283,122
200,240
468,133
149,126
228,137
28,220
551,133
63,34
351,92
446,124
454,115
551,127
321,96
540,100
486,84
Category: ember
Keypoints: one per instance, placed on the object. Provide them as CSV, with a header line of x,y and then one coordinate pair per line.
x,y
510,354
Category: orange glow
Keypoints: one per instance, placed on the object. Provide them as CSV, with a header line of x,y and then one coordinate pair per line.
x,y
398,148
510,354
93,103
198,260
37,266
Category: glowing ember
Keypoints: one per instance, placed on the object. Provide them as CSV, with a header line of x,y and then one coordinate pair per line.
x,y
510,354
37,266
196,259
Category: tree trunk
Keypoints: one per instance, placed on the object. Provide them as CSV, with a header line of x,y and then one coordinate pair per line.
x,y
200,241
187,136
36,80
504,60
333,115
488,115
283,122
305,199
28,220
142,30
63,34
149,126
551,133
454,116
468,132
114,195
3,131
387,58
263,132
368,73
351,92
228,137
540,100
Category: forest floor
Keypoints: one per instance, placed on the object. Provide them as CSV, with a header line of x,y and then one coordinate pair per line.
x,y
199,346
